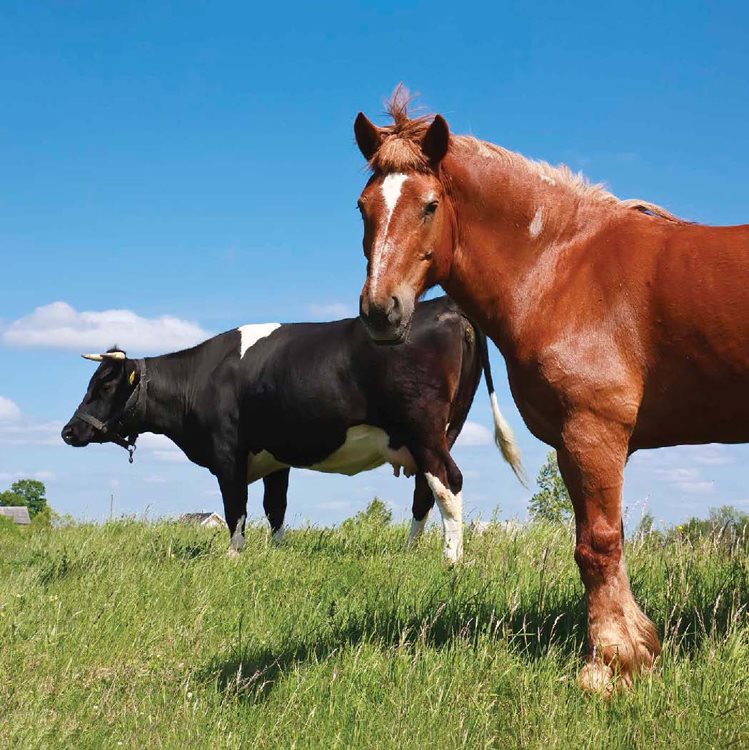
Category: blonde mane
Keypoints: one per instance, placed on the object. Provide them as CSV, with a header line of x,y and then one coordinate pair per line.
x,y
400,151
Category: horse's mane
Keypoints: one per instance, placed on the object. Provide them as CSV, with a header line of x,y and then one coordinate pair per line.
x,y
400,151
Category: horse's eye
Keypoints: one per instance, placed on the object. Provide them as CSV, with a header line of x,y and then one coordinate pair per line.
x,y
430,207
360,206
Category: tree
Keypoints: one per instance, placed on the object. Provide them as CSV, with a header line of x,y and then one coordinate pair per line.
x,y
10,498
646,526
28,492
552,501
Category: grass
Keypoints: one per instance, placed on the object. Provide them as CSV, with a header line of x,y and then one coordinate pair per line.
x,y
141,635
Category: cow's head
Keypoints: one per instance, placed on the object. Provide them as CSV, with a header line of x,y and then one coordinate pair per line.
x,y
109,401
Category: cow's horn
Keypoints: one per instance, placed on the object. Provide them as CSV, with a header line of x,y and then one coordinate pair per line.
x,y
114,355
93,357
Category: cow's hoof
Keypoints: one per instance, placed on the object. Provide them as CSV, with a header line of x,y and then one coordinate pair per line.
x,y
232,554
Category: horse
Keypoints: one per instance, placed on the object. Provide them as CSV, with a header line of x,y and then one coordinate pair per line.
x,y
623,326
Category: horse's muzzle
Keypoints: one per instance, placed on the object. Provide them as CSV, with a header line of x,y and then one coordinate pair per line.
x,y
386,321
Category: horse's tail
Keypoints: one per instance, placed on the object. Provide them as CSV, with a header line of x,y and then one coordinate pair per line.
x,y
503,435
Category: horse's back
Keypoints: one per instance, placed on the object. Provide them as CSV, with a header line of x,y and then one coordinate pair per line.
x,y
697,358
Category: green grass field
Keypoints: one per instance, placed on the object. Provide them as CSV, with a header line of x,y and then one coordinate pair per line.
x,y
140,635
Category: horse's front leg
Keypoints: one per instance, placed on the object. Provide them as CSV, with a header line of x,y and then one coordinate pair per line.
x,y
621,639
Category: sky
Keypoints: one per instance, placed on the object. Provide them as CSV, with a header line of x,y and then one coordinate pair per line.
x,y
173,170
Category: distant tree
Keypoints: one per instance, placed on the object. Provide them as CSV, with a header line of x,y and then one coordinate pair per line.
x,y
728,517
10,498
646,525
552,501
28,492
376,512
725,522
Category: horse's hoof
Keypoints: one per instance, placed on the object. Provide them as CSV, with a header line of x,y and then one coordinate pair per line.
x,y
597,678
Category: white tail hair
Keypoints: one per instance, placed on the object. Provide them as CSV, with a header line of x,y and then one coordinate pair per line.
x,y
505,440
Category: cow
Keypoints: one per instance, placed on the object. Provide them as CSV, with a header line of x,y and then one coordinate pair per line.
x,y
253,402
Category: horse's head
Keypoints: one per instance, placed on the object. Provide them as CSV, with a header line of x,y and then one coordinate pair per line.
x,y
409,223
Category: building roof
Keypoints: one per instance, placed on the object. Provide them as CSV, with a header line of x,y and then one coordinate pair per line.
x,y
201,518
19,514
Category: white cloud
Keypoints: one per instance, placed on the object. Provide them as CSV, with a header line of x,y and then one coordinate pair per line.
x,y
9,410
42,476
687,480
60,326
24,431
153,479
332,311
474,434
161,448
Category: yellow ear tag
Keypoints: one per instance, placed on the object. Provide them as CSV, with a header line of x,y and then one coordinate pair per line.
x,y
132,377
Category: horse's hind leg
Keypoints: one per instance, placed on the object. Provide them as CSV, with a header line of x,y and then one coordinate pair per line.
x,y
422,503
621,639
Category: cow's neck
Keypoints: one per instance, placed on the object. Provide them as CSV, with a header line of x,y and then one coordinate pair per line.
x,y
168,400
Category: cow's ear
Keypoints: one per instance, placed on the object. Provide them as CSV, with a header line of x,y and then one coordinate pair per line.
x,y
368,136
436,140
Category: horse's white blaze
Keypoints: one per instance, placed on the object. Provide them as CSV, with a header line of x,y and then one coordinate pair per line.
x,y
537,223
417,527
252,333
451,508
365,448
237,537
391,189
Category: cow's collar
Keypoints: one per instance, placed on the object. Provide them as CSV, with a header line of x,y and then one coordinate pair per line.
x,y
122,429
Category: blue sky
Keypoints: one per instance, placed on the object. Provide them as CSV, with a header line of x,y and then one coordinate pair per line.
x,y
193,164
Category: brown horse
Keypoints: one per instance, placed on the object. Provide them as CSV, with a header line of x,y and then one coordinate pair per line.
x,y
622,326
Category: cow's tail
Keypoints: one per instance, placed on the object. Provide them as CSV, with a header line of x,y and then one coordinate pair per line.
x,y
503,435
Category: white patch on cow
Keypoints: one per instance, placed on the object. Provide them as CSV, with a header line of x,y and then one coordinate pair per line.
x,y
451,508
391,188
237,537
417,528
278,535
366,448
537,223
261,464
252,333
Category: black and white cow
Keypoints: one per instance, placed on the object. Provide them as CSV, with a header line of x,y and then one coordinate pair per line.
x,y
253,402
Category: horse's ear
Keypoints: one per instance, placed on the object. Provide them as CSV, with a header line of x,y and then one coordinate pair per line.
x,y
436,140
368,136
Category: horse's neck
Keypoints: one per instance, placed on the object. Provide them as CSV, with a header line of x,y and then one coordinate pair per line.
x,y
511,225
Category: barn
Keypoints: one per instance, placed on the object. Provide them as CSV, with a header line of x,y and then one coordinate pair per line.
x,y
208,520
19,514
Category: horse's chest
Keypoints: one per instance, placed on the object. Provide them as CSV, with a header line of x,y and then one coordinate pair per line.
x,y
364,448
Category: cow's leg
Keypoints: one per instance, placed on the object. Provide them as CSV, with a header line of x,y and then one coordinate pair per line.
x,y
274,502
621,639
234,493
422,503
445,482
